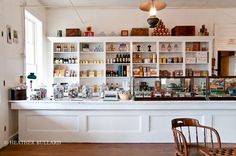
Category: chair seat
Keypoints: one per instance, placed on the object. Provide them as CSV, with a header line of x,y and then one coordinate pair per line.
x,y
219,151
195,151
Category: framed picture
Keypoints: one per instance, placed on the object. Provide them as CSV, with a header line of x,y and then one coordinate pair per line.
x,y
124,33
15,36
9,35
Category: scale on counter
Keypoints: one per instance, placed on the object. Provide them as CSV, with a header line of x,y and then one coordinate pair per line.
x,y
110,96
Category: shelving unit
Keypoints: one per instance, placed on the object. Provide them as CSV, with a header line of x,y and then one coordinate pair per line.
x,y
118,68
171,58
154,56
198,58
65,62
92,70
144,60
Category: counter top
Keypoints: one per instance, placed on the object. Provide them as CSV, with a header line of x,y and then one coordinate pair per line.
x,y
95,104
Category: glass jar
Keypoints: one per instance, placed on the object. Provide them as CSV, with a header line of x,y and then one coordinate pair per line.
x,y
123,47
58,91
86,91
73,91
43,91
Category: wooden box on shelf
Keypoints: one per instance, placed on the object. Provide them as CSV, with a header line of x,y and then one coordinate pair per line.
x,y
73,32
183,31
140,32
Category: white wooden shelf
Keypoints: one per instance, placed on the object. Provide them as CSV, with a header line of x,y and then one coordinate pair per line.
x,y
118,77
117,63
91,77
195,51
144,52
91,64
110,52
171,52
144,63
64,77
197,63
73,64
75,52
171,63
91,52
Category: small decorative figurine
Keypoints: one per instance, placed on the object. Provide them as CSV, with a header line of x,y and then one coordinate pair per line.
x,y
149,48
138,47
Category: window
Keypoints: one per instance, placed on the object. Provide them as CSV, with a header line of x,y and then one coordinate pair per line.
x,y
33,46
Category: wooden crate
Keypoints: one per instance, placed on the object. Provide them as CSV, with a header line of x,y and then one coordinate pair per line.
x,y
140,32
183,31
73,32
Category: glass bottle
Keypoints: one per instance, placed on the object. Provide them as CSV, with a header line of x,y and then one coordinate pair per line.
x,y
124,58
117,58
176,47
121,59
169,47
141,71
163,47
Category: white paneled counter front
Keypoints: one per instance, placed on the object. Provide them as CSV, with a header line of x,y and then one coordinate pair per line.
x,y
119,121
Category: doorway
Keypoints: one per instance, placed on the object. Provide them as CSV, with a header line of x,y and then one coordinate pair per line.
x,y
226,63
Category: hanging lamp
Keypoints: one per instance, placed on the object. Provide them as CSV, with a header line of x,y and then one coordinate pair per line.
x,y
152,7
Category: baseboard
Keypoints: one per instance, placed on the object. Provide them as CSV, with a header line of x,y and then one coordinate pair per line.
x,y
13,136
11,139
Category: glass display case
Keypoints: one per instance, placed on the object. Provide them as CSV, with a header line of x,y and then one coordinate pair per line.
x,y
172,88
222,88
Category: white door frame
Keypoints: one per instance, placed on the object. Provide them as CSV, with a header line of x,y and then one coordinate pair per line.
x,y
232,62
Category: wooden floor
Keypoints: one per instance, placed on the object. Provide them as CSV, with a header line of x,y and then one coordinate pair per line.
x,y
89,150
92,150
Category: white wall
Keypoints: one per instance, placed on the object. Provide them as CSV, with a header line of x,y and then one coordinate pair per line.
x,y
109,20
12,64
2,120
114,20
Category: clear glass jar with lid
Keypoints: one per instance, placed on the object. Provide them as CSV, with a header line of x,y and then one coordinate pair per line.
x,y
73,90
58,91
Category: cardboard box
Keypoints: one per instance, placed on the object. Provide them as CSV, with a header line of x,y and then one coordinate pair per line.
x,y
153,72
136,72
190,60
196,46
73,32
201,60
201,54
204,73
197,73
183,31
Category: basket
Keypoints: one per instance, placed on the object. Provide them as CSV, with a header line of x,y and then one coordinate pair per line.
x,y
124,96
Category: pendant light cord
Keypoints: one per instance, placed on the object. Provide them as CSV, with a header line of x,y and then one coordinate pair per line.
x,y
77,12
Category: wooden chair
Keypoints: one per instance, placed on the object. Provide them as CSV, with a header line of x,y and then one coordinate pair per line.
x,y
190,136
